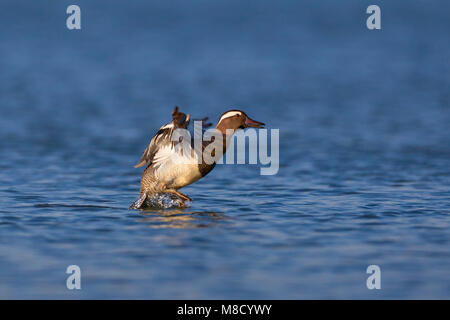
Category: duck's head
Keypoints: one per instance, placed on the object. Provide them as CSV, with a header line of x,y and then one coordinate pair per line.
x,y
237,119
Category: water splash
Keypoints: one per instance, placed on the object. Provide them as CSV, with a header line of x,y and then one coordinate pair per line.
x,y
163,201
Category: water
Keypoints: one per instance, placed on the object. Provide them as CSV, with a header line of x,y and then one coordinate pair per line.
x,y
364,149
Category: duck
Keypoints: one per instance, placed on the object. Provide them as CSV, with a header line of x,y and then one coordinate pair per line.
x,y
170,168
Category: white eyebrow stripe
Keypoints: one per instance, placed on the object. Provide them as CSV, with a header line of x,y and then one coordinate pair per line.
x,y
229,114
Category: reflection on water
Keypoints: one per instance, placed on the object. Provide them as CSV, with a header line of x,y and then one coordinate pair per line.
x,y
180,218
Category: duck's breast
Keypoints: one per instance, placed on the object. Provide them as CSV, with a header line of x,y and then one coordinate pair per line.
x,y
178,170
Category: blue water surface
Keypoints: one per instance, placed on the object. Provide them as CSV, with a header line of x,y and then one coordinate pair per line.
x,y
364,172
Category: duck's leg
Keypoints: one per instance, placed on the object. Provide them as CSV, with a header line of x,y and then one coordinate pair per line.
x,y
179,194
139,202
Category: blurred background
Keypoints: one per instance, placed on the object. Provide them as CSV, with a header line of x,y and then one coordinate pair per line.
x,y
364,148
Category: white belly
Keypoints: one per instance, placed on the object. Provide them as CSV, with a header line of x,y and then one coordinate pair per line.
x,y
177,175
174,168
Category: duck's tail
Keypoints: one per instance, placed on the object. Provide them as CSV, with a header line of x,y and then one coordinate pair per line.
x,y
139,202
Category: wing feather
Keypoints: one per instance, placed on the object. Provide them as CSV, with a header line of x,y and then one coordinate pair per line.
x,y
160,145
159,141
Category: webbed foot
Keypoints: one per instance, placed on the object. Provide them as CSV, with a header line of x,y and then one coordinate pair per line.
x,y
180,195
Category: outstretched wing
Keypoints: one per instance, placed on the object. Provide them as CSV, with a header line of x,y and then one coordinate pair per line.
x,y
161,140
160,147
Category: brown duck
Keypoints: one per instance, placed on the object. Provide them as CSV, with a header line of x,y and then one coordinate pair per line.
x,y
170,168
